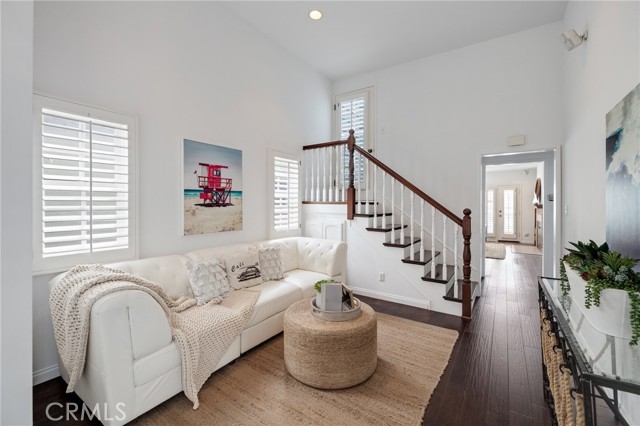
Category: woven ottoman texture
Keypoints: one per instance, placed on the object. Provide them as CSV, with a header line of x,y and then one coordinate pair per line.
x,y
326,354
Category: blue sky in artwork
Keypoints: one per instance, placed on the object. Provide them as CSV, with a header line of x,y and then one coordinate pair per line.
x,y
198,152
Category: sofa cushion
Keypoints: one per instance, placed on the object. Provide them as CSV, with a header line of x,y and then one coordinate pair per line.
x,y
275,297
271,264
305,280
288,250
156,364
167,271
208,279
243,270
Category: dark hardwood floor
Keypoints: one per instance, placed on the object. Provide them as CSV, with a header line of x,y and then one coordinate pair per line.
x,y
494,377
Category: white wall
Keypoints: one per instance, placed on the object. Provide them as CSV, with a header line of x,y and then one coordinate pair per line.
x,y
16,85
438,115
526,184
187,70
597,76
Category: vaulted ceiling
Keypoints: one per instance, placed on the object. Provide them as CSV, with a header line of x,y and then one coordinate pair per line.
x,y
355,37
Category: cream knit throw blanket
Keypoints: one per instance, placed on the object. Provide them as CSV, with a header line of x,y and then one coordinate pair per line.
x,y
203,333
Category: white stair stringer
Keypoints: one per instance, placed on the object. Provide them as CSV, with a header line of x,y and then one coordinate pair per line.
x,y
367,257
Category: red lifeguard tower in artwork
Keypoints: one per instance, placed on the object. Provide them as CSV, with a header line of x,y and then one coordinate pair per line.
x,y
216,190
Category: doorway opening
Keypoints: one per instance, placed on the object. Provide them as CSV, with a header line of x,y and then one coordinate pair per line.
x,y
519,193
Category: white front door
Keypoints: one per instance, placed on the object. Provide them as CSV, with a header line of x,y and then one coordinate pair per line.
x,y
507,215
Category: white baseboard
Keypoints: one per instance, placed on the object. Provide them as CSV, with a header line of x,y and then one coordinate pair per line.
x,y
45,374
391,297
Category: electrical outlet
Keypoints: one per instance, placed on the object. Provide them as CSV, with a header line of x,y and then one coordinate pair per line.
x,y
381,277
427,304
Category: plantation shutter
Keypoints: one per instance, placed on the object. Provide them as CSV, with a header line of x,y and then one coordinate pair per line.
x,y
509,212
353,116
85,184
353,113
285,195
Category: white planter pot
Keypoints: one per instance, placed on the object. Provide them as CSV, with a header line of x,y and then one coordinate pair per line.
x,y
612,317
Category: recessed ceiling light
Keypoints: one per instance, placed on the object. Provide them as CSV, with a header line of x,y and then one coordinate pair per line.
x,y
315,15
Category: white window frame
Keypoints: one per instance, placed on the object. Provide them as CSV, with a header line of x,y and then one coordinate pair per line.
x,y
272,154
45,265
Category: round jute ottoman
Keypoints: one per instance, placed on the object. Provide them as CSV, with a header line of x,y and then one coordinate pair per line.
x,y
327,354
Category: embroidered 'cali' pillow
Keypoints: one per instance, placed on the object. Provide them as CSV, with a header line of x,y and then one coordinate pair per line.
x,y
243,270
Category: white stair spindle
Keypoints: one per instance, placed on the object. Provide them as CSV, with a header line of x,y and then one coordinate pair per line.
x,y
366,186
455,261
374,168
444,247
342,174
411,222
324,174
318,185
393,209
336,153
306,174
330,175
421,230
384,184
401,214
312,188
433,241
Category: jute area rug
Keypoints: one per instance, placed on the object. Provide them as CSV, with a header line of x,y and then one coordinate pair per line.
x,y
495,251
257,389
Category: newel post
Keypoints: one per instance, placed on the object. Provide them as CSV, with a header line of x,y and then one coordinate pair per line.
x,y
466,268
351,190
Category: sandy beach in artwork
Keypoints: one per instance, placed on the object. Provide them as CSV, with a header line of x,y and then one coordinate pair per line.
x,y
202,220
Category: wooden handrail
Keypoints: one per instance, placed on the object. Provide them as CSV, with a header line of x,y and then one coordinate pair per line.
x,y
448,213
464,223
324,145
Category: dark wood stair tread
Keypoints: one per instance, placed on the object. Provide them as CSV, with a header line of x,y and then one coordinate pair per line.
x,y
387,229
415,258
371,203
439,278
371,214
402,244
450,293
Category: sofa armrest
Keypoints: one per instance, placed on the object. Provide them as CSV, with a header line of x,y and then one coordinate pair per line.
x,y
325,256
124,326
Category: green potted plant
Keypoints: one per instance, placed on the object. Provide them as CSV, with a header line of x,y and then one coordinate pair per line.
x,y
605,288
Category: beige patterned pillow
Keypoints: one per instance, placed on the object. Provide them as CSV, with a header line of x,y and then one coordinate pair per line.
x,y
208,280
271,263
243,270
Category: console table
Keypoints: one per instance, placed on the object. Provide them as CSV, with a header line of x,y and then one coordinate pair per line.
x,y
573,376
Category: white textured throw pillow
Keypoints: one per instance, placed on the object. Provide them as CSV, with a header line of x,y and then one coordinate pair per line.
x,y
243,270
208,280
271,263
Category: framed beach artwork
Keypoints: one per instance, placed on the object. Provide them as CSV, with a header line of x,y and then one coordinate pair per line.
x,y
623,175
212,188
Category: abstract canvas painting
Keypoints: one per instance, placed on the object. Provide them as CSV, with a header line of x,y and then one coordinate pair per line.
x,y
623,175
212,188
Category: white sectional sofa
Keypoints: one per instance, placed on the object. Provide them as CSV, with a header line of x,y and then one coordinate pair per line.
x,y
132,362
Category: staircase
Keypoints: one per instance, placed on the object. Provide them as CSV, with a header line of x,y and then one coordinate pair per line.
x,y
417,230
